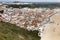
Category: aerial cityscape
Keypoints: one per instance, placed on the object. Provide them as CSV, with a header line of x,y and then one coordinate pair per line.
x,y
29,20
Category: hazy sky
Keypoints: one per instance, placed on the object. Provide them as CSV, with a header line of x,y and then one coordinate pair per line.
x,y
34,0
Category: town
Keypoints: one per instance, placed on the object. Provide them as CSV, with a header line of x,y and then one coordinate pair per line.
x,y
27,18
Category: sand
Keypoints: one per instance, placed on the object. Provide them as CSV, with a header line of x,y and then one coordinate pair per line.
x,y
52,30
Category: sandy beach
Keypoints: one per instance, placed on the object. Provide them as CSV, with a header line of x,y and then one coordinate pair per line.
x,y
52,30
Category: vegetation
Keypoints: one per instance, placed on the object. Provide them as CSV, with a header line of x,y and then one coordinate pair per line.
x,y
12,32
34,5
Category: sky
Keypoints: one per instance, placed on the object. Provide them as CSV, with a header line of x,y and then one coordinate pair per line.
x,y
33,0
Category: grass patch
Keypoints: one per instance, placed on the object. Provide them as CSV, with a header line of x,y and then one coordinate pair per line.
x,y
12,32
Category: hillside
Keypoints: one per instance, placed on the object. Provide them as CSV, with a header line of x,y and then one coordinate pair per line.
x,y
12,32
